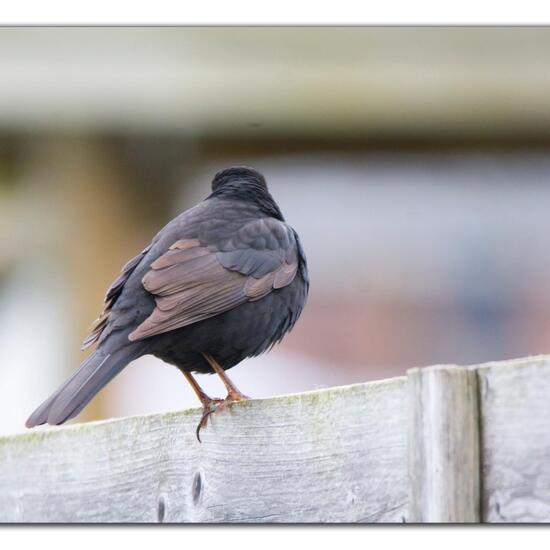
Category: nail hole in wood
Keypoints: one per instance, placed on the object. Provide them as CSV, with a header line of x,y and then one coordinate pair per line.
x,y
161,509
197,487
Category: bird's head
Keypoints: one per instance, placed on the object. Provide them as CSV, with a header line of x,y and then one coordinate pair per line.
x,y
246,184
237,177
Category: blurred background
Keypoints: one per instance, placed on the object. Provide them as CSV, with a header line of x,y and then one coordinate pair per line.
x,y
414,163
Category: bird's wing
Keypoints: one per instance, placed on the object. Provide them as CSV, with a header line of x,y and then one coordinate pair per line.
x,y
113,293
195,280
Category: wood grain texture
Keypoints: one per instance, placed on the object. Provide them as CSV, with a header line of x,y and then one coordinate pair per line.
x,y
515,436
443,445
334,455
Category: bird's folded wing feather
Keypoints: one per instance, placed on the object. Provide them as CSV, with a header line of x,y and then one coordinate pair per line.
x,y
194,281
111,297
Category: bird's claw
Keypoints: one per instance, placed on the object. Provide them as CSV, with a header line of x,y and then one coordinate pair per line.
x,y
217,406
231,398
208,407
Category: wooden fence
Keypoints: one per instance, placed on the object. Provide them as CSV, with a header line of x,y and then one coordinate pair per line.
x,y
441,444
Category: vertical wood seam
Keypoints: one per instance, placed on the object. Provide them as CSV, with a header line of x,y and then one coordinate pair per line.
x,y
444,445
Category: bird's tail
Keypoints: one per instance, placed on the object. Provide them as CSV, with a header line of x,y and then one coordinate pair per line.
x,y
76,392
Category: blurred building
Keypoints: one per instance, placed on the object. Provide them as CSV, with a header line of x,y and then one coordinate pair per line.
x,y
414,163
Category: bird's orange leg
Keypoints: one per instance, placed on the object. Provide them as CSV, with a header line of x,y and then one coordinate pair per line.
x,y
209,404
233,393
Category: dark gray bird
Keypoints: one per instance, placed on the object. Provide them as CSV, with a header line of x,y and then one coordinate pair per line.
x,y
225,280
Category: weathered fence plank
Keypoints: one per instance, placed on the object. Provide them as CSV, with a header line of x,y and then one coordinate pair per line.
x,y
443,445
515,440
335,455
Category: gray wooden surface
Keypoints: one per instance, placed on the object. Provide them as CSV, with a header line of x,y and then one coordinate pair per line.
x,y
444,444
515,440
336,455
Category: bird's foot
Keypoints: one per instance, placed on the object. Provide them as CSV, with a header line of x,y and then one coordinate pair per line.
x,y
209,405
217,406
232,397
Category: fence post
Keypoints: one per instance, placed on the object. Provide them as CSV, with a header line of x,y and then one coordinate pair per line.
x,y
443,448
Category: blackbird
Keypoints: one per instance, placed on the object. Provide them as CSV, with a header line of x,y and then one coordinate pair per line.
x,y
224,280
